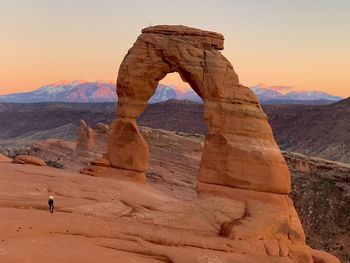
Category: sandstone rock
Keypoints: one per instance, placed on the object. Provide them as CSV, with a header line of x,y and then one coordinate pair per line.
x,y
104,217
101,162
241,160
266,216
61,152
127,149
238,129
91,140
86,139
52,149
5,159
26,159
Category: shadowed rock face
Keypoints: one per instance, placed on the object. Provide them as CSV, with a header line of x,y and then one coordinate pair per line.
x,y
240,161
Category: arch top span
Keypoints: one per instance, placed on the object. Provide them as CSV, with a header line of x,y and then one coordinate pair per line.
x,y
216,40
239,149
193,53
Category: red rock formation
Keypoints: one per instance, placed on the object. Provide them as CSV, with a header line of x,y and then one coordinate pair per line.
x,y
238,129
240,159
86,139
129,156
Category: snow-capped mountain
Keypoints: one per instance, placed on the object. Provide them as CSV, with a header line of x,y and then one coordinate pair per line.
x,y
272,93
97,91
103,91
64,91
163,93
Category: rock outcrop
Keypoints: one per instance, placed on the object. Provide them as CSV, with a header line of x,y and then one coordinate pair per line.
x,y
92,140
61,152
321,197
241,160
86,139
26,159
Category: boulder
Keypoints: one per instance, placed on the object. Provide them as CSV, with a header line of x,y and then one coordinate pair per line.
x,y
26,159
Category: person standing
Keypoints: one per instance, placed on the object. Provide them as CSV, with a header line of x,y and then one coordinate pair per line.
x,y
50,203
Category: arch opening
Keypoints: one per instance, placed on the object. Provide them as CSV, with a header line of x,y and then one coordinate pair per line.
x,y
173,126
172,87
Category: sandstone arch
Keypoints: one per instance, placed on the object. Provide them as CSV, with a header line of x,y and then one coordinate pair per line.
x,y
239,150
241,161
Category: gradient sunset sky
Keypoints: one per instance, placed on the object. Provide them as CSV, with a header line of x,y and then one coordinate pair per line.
x,y
303,44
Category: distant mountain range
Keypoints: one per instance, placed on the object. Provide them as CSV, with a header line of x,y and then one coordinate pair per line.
x,y
64,91
286,95
102,91
97,91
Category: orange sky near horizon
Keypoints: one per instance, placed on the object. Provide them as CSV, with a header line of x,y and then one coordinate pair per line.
x,y
297,44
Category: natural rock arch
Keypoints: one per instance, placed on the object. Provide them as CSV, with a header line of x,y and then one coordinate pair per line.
x,y
240,161
239,149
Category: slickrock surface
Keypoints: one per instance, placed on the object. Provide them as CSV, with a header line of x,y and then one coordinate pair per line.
x,y
111,220
174,161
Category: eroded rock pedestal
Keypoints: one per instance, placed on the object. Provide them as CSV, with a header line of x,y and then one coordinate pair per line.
x,y
240,159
